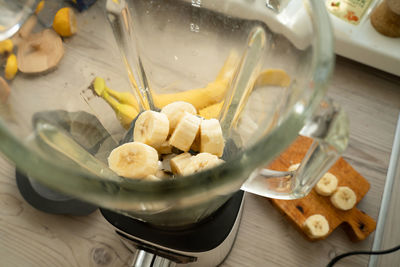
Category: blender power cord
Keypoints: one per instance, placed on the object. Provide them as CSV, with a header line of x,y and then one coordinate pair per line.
x,y
371,252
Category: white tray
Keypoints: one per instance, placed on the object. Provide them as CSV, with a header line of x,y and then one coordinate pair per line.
x,y
364,44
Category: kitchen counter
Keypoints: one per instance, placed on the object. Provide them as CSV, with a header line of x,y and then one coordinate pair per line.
x,y
371,98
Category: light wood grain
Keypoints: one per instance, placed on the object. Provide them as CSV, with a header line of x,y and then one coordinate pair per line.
x,y
31,238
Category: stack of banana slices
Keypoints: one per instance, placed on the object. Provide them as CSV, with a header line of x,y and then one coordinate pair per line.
x,y
342,198
169,135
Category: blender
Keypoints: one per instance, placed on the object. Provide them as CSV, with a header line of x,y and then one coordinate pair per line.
x,y
61,138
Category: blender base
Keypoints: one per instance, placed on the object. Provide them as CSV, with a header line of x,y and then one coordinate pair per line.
x,y
44,199
206,243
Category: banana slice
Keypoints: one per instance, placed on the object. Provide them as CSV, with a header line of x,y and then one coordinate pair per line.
x,y
185,132
316,226
175,111
164,148
153,177
293,167
201,162
151,128
211,138
134,160
196,143
166,162
344,198
179,163
327,184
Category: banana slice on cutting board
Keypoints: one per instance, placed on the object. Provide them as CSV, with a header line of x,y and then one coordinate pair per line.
x,y
344,198
316,226
327,184
175,111
185,132
151,128
134,160
211,138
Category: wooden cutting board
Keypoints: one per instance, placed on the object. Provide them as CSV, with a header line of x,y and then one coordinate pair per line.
x,y
356,223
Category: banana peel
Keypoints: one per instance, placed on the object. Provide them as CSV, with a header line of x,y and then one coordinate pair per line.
x,y
208,100
268,77
212,111
99,87
124,113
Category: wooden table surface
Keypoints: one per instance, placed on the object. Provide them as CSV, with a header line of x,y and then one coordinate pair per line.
x,y
371,98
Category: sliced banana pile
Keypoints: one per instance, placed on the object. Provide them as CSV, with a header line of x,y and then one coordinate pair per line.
x,y
177,128
342,197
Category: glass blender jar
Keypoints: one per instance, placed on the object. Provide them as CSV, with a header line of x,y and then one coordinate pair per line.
x,y
280,60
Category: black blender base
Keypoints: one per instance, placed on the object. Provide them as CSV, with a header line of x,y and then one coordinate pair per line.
x,y
50,201
206,243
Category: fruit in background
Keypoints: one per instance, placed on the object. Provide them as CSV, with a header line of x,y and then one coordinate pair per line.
x,y
40,52
151,128
134,160
327,184
316,226
344,198
64,22
6,46
385,18
11,68
39,7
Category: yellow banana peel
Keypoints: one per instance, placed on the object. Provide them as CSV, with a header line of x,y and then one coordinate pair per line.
x,y
275,77
200,98
99,86
211,111
208,100
125,113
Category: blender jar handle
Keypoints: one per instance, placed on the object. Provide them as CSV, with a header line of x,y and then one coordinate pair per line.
x,y
329,127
